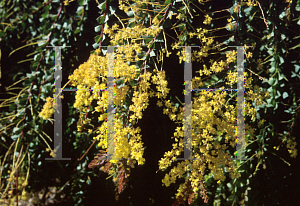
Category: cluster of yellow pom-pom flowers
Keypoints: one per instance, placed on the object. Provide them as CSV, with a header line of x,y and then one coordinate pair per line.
x,y
209,122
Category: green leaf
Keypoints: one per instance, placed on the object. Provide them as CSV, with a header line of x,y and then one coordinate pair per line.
x,y
219,133
119,81
129,13
148,40
54,18
133,83
12,107
14,137
297,67
167,2
2,34
214,77
102,5
232,198
278,95
82,2
272,69
44,15
229,185
95,45
152,53
208,179
77,31
131,25
101,19
271,81
97,39
98,28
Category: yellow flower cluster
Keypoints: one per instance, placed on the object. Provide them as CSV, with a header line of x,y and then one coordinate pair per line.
x,y
124,146
175,172
135,83
48,109
52,152
120,94
159,79
210,124
22,183
207,19
133,33
136,144
291,146
140,103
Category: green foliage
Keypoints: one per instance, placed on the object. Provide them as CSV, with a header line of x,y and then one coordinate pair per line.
x,y
26,30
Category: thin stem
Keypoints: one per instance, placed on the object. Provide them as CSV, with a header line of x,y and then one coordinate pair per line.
x,y
262,14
